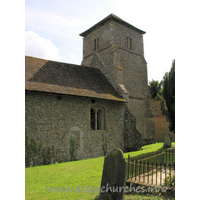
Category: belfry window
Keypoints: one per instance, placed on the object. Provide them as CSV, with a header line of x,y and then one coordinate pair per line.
x,y
129,43
97,118
96,44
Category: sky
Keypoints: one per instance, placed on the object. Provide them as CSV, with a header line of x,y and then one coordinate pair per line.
x,y
52,28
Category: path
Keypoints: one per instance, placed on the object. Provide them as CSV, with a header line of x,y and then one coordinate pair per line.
x,y
143,179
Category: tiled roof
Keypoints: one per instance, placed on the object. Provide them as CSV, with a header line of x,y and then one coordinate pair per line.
x,y
55,77
111,17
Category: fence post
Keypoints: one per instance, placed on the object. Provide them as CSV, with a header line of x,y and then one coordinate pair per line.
x,y
152,171
135,168
128,164
165,170
174,167
163,157
148,169
174,156
160,173
139,169
132,165
170,174
170,153
156,172
144,171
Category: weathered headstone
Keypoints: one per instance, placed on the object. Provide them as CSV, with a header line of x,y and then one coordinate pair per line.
x,y
167,141
114,176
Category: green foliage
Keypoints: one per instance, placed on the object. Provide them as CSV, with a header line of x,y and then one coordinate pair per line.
x,y
35,154
167,183
169,96
46,155
156,90
167,180
158,97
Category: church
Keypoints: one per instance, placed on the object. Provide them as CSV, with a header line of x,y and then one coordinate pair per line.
x,y
102,104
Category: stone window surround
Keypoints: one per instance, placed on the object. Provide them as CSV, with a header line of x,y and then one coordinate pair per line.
x,y
98,118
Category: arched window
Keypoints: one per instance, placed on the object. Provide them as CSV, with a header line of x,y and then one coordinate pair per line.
x,y
97,118
92,119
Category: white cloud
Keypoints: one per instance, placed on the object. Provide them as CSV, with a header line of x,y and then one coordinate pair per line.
x,y
37,46
55,24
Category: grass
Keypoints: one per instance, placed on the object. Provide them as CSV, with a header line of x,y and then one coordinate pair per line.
x,y
70,174
147,149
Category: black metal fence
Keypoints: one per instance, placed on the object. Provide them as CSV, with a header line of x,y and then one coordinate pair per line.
x,y
157,168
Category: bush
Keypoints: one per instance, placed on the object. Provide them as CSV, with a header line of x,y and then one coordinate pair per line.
x,y
158,97
35,154
171,187
167,181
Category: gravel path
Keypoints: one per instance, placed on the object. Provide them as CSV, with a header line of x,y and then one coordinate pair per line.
x,y
143,179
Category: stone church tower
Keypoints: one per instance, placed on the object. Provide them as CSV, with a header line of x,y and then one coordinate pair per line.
x,y
116,48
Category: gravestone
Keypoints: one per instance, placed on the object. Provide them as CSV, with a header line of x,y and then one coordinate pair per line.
x,y
114,176
167,141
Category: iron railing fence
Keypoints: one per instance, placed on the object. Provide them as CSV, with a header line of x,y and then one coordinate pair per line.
x,y
154,168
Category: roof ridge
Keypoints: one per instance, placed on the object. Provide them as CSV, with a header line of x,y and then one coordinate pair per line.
x,y
57,62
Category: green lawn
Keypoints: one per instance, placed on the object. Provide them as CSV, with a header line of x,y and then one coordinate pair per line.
x,y
71,174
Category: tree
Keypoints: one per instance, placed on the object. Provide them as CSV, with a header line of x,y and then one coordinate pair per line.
x,y
169,96
156,90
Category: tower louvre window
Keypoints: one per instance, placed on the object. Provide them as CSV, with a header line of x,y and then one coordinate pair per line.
x,y
129,43
96,44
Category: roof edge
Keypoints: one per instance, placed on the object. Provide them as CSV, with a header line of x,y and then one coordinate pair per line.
x,y
60,62
111,17
76,95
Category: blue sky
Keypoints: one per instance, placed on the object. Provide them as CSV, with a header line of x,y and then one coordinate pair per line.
x,y
52,28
